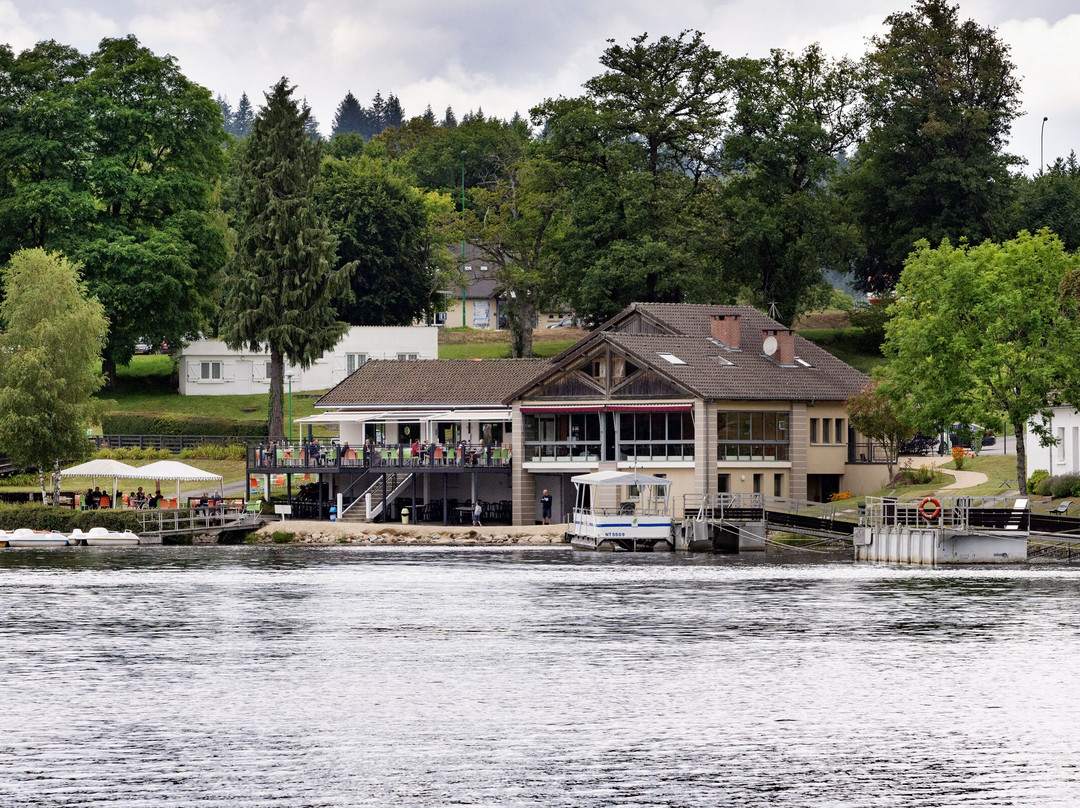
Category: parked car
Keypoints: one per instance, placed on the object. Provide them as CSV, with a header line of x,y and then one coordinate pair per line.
x,y
565,322
142,348
920,444
974,431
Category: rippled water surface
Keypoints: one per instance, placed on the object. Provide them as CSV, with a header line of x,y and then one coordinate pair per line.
x,y
348,677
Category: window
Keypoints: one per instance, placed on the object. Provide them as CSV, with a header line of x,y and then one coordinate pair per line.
x,y
655,436
757,483
1061,444
671,358
354,361
210,371
723,483
814,430
778,485
752,436
403,356
269,369
839,434
826,425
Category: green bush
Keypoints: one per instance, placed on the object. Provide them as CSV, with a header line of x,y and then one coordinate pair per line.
x,y
138,423
1036,477
21,480
281,537
134,453
65,520
1062,485
1044,486
211,451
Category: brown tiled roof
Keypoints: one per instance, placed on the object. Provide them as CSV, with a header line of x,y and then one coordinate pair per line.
x,y
453,382
751,376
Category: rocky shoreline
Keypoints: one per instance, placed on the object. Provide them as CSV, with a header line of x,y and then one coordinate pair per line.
x,y
297,531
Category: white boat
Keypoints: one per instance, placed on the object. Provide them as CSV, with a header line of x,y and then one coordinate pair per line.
x,y
25,537
602,520
103,537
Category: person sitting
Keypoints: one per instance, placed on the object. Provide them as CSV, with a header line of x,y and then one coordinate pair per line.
x,y
139,499
95,498
87,499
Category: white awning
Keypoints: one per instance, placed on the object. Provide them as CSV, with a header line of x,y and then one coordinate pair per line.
x,y
340,417
461,416
619,478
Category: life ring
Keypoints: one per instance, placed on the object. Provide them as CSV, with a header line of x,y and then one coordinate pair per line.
x,y
932,514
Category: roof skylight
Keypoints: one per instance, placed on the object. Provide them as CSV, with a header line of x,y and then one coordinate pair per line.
x,y
672,358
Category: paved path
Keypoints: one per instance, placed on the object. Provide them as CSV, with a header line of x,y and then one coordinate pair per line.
x,y
962,479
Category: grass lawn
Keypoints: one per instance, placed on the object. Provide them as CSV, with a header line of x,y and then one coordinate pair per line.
x,y
848,345
500,350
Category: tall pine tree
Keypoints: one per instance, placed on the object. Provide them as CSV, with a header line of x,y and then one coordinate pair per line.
x,y
281,286
243,117
350,116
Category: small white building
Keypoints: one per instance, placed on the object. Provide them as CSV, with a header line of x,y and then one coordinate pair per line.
x,y
1064,456
209,368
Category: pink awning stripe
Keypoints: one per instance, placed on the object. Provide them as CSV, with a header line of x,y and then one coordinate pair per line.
x,y
539,408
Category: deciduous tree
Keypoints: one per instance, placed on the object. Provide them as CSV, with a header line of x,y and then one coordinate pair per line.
x,y
941,97
50,354
282,286
874,416
983,331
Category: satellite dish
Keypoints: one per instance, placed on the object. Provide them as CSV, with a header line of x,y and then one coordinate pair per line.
x,y
770,345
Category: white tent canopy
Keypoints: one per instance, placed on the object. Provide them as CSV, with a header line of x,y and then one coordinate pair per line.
x,y
618,478
102,467
173,470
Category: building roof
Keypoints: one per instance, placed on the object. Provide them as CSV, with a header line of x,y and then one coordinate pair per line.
x,y
449,382
706,368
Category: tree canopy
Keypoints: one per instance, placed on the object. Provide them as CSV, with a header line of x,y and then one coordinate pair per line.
x,y
114,159
282,287
50,352
978,331
941,95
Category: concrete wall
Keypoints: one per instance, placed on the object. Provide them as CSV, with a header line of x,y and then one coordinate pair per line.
x,y
244,372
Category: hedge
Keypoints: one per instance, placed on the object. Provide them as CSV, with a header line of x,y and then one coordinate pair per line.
x,y
65,520
138,423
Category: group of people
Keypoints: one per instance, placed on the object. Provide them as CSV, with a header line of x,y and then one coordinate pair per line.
x,y
95,499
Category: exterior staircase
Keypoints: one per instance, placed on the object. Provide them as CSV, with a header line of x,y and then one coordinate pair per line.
x,y
370,504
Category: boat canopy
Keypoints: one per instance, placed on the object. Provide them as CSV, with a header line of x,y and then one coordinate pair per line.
x,y
618,478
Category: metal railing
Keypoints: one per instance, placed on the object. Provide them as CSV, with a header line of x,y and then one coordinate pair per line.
x,y
286,458
174,443
193,520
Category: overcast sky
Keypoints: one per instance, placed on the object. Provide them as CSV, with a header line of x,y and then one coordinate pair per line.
x,y
508,56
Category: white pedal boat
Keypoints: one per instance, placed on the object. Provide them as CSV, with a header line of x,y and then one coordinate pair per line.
x,y
25,537
103,537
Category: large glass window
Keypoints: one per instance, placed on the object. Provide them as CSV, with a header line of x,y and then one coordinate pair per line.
x,y
563,436
655,436
743,436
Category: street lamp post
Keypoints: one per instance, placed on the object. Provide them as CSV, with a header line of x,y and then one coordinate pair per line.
x,y
463,282
289,376
1042,128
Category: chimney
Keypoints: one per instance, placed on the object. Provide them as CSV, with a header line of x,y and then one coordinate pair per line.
x,y
725,328
779,345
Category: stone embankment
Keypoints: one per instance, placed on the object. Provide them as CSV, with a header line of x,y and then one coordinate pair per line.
x,y
390,534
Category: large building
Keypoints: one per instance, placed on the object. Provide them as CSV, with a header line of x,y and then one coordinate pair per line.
x,y
715,398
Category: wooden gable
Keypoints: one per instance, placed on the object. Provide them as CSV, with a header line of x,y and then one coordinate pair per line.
x,y
637,323
648,384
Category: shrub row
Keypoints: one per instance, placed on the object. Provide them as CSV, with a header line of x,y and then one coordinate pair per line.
x,y
213,451
137,423
1062,485
65,520
134,453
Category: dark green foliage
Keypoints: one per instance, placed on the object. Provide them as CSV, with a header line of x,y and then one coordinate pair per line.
x,y
1051,199
113,159
135,423
282,537
795,117
1036,478
941,96
65,520
380,224
350,117
1058,486
242,118
281,287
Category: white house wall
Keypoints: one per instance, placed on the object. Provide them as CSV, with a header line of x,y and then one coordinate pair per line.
x,y
243,372
1062,458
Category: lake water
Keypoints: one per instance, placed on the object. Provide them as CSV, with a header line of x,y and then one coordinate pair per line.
x,y
350,677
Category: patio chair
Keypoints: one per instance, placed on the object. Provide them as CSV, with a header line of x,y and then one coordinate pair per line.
x,y
1062,509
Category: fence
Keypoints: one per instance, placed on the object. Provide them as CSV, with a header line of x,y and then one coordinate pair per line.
x,y
174,443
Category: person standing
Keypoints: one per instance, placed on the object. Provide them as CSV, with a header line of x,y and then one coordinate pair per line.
x,y
545,508
476,513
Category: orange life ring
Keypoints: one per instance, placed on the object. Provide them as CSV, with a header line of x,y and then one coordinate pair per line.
x,y
934,513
